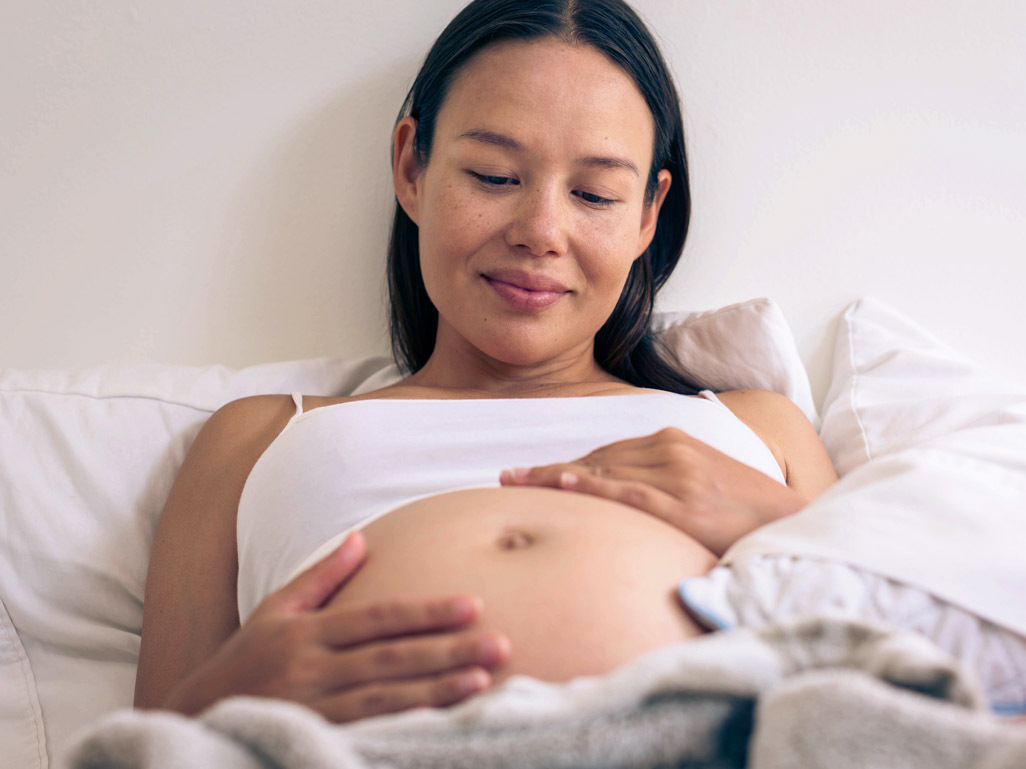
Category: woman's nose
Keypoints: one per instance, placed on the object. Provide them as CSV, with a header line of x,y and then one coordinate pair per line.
x,y
539,223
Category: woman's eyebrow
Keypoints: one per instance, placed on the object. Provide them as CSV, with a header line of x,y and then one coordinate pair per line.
x,y
509,143
611,163
491,137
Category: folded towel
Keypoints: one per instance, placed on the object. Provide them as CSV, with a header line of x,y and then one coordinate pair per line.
x,y
820,692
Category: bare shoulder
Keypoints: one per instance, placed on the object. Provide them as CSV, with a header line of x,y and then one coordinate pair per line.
x,y
224,452
234,437
206,493
249,412
761,406
766,412
787,432
246,422
209,483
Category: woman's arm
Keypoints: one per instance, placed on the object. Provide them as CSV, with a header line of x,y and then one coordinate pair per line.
x,y
702,491
190,605
785,429
346,662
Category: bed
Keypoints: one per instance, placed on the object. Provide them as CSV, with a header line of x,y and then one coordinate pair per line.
x,y
177,188
930,447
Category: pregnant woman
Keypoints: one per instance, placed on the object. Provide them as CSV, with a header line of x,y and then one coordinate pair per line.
x,y
527,498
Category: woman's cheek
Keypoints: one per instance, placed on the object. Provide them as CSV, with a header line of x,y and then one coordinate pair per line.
x,y
469,220
612,244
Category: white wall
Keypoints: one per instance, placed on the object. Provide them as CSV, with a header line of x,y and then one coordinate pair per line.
x,y
207,181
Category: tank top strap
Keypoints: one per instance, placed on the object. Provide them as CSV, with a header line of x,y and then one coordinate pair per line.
x,y
710,395
297,398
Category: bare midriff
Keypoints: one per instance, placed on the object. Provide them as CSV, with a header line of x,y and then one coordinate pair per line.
x,y
578,583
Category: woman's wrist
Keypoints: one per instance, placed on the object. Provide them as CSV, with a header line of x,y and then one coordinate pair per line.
x,y
186,698
783,504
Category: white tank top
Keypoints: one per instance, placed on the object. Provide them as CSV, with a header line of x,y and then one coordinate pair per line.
x,y
338,467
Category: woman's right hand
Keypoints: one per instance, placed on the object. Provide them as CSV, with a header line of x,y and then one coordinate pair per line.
x,y
348,662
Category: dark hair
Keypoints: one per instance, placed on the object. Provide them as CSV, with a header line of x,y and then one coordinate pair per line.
x,y
625,345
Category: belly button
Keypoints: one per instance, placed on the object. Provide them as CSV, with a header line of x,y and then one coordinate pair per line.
x,y
514,539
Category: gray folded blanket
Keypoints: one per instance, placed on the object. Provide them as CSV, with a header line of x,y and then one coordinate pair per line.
x,y
820,692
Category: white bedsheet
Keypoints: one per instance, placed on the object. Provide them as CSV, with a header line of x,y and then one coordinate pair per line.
x,y
926,528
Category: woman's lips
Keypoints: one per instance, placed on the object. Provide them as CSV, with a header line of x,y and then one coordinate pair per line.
x,y
524,299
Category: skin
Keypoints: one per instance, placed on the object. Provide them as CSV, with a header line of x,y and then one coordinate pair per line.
x,y
538,211
533,200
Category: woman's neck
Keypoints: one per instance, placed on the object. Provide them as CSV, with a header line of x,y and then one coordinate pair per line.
x,y
480,374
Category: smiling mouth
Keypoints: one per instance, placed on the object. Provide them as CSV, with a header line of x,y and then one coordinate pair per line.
x,y
526,280
524,299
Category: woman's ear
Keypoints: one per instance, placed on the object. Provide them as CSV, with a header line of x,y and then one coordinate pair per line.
x,y
650,215
406,167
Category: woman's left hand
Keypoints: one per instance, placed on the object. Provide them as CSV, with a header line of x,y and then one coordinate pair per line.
x,y
674,476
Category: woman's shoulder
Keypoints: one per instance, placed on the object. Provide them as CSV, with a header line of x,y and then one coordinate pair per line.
x,y
251,412
762,411
239,431
788,433
771,415
759,403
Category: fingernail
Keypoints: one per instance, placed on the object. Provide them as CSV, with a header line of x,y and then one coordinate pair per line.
x,y
505,476
493,649
463,608
474,681
568,480
521,472
351,543
489,650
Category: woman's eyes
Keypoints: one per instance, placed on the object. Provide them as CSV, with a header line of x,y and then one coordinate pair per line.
x,y
594,200
493,181
506,181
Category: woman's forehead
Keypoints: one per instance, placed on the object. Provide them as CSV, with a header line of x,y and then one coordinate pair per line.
x,y
548,94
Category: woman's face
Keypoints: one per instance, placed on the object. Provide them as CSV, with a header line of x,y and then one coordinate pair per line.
x,y
536,180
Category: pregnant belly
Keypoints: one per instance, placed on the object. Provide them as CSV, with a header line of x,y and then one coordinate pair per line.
x,y
579,584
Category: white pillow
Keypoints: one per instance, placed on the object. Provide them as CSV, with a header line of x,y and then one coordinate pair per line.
x,y
87,459
743,346
895,385
931,449
21,722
